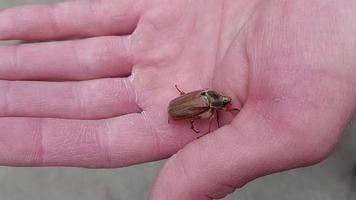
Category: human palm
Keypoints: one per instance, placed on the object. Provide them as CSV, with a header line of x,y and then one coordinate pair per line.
x,y
290,66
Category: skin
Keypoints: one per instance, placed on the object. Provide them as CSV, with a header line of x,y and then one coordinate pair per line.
x,y
101,102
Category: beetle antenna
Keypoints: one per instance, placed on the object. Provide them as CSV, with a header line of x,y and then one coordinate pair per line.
x,y
180,91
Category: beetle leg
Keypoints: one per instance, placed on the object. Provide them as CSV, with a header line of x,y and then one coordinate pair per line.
x,y
232,109
213,111
217,118
192,126
180,91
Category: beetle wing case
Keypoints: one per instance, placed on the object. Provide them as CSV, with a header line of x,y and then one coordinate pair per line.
x,y
190,105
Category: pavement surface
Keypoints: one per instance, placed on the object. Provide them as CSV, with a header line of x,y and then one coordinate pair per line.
x,y
333,179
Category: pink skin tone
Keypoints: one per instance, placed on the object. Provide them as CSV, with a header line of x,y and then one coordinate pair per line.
x,y
290,66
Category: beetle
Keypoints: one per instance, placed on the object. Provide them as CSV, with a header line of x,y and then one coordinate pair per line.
x,y
204,103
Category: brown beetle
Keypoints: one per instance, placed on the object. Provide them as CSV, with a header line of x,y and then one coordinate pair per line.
x,y
198,104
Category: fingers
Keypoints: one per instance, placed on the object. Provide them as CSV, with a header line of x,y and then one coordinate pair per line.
x,y
69,19
256,144
73,60
96,99
114,142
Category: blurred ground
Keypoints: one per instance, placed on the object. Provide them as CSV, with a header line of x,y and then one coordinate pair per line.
x,y
334,179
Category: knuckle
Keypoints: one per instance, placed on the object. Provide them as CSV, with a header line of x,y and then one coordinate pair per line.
x,y
305,136
315,148
308,147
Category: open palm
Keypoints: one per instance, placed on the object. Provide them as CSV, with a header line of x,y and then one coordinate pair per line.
x,y
101,100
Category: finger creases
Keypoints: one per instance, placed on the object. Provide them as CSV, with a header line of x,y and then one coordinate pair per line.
x,y
95,99
69,20
100,57
115,142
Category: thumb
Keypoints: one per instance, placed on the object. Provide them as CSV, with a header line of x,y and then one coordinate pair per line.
x,y
255,144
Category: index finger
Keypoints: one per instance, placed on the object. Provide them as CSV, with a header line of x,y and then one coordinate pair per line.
x,y
80,18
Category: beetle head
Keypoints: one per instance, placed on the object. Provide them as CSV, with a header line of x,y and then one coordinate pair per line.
x,y
226,100
215,99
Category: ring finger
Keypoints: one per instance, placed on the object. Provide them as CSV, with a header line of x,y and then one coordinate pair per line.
x,y
95,99
100,57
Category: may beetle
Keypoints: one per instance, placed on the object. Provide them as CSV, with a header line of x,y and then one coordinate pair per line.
x,y
205,103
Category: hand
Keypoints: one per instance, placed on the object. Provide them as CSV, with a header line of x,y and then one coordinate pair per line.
x,y
101,101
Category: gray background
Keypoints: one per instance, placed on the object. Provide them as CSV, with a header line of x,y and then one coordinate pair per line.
x,y
333,179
